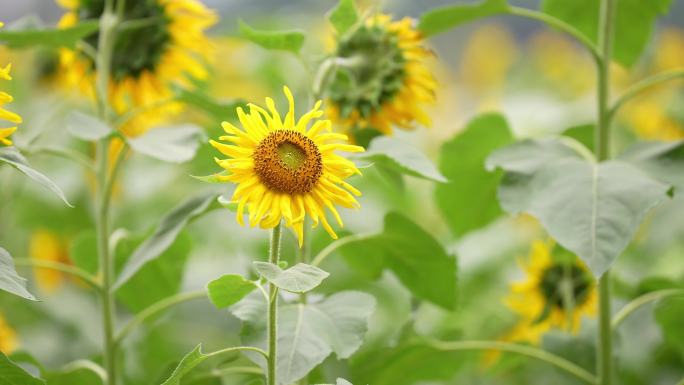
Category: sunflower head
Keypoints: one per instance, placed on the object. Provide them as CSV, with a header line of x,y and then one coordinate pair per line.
x,y
159,43
5,115
8,337
380,78
48,246
557,291
286,168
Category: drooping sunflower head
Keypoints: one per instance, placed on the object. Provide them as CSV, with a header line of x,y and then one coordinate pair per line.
x,y
557,291
8,118
159,43
380,78
45,245
286,168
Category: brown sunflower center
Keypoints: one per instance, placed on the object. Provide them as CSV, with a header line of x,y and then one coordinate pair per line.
x,y
562,282
288,162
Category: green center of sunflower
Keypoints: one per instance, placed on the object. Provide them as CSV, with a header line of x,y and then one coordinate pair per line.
x,y
138,47
370,72
288,162
564,282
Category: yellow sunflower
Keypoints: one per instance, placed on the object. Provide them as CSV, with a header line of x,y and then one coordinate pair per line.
x,y
381,79
557,292
168,47
286,169
47,246
8,337
5,115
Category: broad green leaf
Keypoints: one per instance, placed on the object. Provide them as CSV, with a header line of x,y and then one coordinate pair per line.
x,y
49,37
468,200
189,362
669,314
157,279
442,19
13,374
591,209
169,228
300,278
277,40
81,372
176,144
400,156
83,251
337,324
634,22
229,290
13,157
583,133
218,109
662,160
343,16
10,281
86,127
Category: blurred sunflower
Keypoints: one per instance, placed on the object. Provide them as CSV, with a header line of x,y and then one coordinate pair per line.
x,y
8,337
8,116
556,293
47,246
159,43
380,79
287,168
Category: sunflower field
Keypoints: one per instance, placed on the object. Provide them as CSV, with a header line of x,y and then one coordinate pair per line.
x,y
337,192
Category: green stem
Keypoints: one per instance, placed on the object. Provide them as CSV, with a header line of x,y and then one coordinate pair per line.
x,y
559,24
643,85
61,267
604,354
331,248
524,350
65,153
641,301
274,257
236,349
154,309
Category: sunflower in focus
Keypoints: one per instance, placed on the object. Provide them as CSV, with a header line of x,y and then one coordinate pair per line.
x,y
8,337
380,78
159,43
556,293
286,169
5,115
45,245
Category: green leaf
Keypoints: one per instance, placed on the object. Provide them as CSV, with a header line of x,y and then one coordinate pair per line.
x,y
227,203
213,178
343,16
10,281
583,133
662,160
50,37
337,324
342,381
634,22
86,127
591,209
176,144
13,374
229,290
277,40
300,278
669,314
219,110
81,372
157,279
468,200
83,251
169,228
189,362
399,156
443,19
419,260
13,157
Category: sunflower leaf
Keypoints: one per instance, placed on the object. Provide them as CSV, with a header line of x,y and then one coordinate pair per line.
x,y
662,160
291,40
49,37
343,16
86,127
176,144
13,157
189,362
443,19
13,374
400,156
10,281
300,278
229,290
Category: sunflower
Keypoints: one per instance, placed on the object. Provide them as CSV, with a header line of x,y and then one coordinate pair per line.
x,y
47,246
286,169
8,337
556,293
167,47
5,115
380,79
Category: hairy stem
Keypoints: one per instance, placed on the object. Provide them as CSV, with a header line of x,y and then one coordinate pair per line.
x,y
274,257
642,86
643,300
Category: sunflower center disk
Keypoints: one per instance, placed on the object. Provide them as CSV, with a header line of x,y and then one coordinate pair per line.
x,y
560,280
288,162
139,48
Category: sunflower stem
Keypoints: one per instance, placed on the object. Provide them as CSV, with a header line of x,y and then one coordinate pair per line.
x,y
274,258
604,354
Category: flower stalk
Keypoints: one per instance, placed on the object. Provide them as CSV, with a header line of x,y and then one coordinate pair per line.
x,y
274,258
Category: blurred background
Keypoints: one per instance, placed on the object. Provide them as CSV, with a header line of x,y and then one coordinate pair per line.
x,y
540,80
